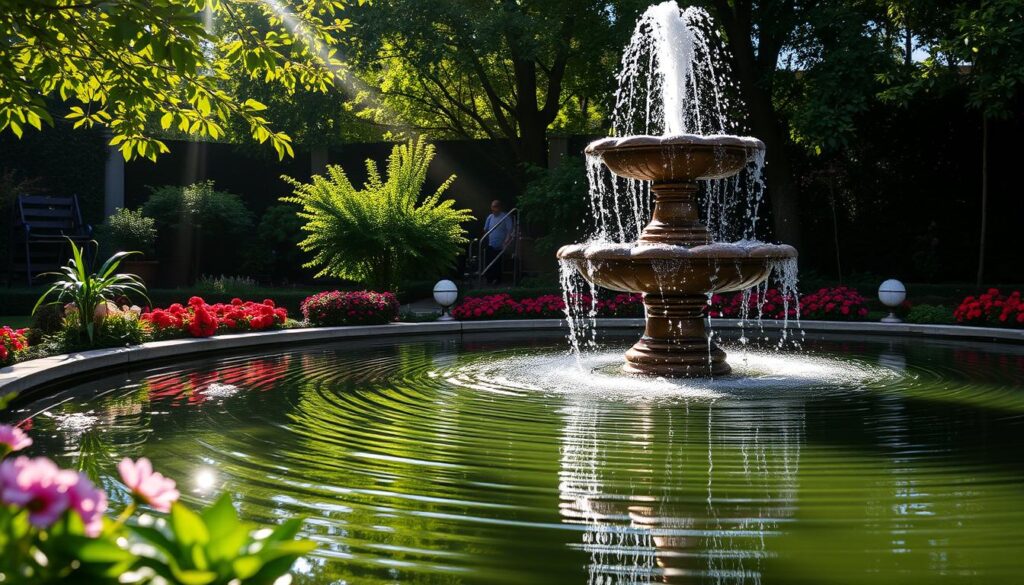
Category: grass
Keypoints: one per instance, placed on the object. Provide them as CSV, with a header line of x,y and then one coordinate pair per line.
x,y
15,321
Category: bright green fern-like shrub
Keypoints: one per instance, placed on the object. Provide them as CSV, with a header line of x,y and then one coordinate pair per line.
x,y
384,233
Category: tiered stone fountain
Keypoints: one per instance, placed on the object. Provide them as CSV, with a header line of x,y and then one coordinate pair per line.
x,y
674,262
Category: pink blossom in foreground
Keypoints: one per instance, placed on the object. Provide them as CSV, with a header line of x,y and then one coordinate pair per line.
x,y
89,502
13,439
147,486
37,485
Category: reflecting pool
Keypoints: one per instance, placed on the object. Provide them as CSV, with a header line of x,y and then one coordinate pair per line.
x,y
441,460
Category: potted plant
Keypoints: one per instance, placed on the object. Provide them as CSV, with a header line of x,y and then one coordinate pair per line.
x,y
131,230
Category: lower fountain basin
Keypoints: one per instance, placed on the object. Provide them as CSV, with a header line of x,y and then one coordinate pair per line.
x,y
676,270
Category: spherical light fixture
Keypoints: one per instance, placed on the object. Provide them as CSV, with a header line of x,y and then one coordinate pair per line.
x,y
445,294
892,293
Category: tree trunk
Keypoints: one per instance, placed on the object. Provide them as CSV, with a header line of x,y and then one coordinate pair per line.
x,y
984,199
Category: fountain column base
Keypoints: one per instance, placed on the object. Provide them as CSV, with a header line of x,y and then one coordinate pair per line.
x,y
675,342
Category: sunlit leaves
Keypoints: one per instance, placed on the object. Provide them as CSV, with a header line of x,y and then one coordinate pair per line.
x,y
142,68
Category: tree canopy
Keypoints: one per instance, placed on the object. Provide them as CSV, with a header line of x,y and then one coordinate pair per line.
x,y
498,69
139,67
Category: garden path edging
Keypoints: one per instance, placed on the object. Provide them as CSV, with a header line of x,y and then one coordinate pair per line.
x,y
33,373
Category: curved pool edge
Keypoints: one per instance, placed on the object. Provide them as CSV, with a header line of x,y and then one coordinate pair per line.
x,y
25,376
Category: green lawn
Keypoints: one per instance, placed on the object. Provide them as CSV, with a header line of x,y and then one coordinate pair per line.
x,y
15,321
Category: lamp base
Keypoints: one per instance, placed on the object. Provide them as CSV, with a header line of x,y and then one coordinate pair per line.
x,y
445,317
891,318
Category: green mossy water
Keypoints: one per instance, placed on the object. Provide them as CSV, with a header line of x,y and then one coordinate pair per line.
x,y
426,462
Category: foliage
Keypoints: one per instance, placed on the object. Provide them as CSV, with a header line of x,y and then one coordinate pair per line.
x,y
930,314
279,232
828,303
53,529
200,319
987,37
130,230
215,226
992,308
384,233
334,308
128,62
493,69
201,206
118,327
504,306
13,342
554,203
90,291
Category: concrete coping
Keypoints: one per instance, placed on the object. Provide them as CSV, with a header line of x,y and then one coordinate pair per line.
x,y
31,374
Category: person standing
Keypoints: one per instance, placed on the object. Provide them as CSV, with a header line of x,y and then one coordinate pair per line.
x,y
497,240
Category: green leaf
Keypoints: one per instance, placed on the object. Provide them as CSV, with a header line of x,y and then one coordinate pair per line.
x,y
187,526
97,550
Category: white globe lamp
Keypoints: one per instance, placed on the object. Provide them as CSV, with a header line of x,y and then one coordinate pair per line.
x,y
445,294
892,293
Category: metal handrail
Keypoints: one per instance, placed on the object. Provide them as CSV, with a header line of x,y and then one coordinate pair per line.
x,y
510,216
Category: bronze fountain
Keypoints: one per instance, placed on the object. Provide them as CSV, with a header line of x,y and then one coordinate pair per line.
x,y
675,264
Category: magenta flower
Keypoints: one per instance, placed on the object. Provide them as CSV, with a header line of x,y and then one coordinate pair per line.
x,y
89,502
148,486
37,485
12,439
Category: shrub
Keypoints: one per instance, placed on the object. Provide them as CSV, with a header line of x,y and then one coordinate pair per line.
x,y
383,234
991,308
773,306
118,327
833,304
13,342
504,306
216,221
129,230
334,308
53,529
225,284
200,319
279,232
930,314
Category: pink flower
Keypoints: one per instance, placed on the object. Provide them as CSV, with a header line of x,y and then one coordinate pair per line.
x,y
13,439
89,502
37,485
146,485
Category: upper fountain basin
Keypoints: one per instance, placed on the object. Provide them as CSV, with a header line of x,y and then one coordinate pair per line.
x,y
679,157
669,269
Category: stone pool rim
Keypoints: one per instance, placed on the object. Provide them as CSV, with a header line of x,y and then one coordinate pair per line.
x,y
25,377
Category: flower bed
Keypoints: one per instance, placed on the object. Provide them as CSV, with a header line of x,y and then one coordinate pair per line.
x,y
993,309
200,319
830,304
334,308
503,306
12,343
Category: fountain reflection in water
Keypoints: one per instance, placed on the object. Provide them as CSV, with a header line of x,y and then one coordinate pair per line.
x,y
672,147
710,522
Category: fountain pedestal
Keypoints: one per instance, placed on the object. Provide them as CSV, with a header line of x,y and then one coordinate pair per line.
x,y
675,342
674,263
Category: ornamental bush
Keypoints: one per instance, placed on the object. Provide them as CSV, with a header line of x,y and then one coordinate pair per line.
x,y
992,308
335,308
832,304
201,319
504,306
